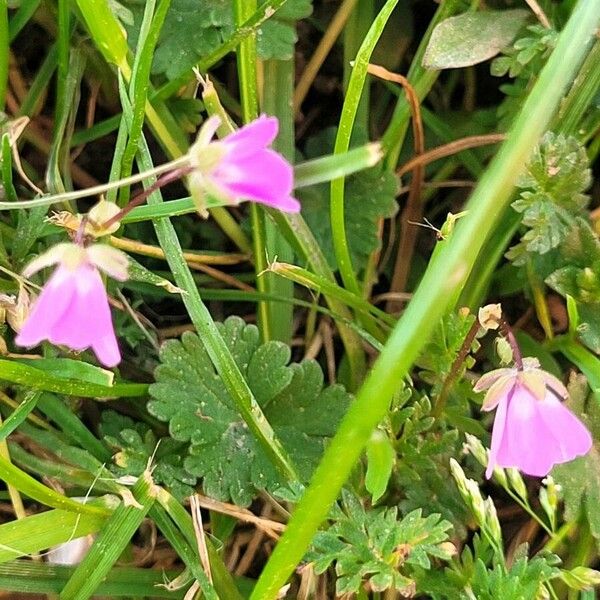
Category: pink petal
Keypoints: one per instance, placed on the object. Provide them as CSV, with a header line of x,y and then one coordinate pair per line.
x,y
87,321
500,390
265,177
572,437
497,435
289,204
48,308
527,444
486,381
252,137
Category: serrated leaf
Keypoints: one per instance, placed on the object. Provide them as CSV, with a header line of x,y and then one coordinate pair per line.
x,y
375,546
194,29
472,37
136,446
277,37
189,395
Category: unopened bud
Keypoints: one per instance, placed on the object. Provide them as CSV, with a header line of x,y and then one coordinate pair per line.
x,y
504,350
517,483
476,448
469,490
491,520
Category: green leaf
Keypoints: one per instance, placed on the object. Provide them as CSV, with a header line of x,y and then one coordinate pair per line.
x,y
39,532
277,37
374,546
135,446
472,37
523,581
193,30
17,372
580,478
370,197
553,200
380,462
193,400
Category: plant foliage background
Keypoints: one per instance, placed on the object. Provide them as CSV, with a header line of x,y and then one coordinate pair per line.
x,y
274,362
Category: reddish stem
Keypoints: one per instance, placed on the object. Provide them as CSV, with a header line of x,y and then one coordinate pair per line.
x,y
141,197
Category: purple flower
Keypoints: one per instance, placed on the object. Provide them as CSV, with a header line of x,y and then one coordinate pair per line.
x,y
533,430
241,166
73,309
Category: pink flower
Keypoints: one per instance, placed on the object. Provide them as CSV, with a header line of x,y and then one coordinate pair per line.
x,y
241,166
73,309
533,430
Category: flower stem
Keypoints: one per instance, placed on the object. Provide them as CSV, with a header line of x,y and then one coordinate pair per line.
x,y
507,332
97,189
440,402
141,197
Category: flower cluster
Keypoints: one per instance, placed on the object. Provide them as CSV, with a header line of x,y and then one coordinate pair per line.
x,y
73,308
533,430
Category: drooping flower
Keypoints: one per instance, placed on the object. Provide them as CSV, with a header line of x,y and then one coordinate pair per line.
x,y
533,430
241,166
72,309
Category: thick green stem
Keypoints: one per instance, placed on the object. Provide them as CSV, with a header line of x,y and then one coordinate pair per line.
x,y
247,73
278,93
443,277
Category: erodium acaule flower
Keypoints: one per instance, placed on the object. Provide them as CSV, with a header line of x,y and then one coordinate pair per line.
x,y
241,166
533,430
72,309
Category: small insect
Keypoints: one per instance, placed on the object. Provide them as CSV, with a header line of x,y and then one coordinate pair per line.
x,y
447,227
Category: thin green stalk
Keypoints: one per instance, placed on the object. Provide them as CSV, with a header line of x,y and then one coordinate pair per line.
x,y
443,277
422,81
342,143
42,578
222,578
7,171
138,88
585,88
304,243
185,551
41,80
26,10
4,50
247,74
324,286
19,414
58,177
215,345
278,91
355,32
112,540
38,491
